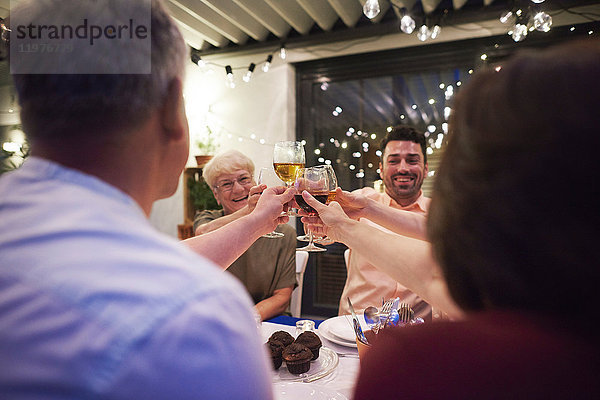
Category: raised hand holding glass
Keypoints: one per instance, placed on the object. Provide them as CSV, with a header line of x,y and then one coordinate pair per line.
x,y
315,181
266,176
288,157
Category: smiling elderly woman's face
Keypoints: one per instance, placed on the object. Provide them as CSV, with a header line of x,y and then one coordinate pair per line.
x,y
231,190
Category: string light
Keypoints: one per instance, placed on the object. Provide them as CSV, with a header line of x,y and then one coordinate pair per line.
x,y
542,21
371,8
351,132
267,63
525,21
435,140
505,16
229,72
282,52
519,32
407,24
248,73
196,59
423,33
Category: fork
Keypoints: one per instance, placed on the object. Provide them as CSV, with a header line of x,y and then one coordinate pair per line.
x,y
406,313
385,310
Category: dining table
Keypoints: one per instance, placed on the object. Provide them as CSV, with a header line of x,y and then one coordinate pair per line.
x,y
338,384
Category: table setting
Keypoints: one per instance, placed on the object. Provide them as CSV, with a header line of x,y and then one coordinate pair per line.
x,y
331,376
335,366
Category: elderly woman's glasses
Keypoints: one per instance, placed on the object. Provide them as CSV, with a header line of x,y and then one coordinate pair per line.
x,y
227,186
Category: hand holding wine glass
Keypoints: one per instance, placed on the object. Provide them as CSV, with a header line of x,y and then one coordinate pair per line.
x,y
288,157
332,179
268,211
331,219
266,176
315,181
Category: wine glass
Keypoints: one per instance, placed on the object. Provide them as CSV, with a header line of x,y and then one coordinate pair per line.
x,y
333,184
314,181
267,177
288,157
331,197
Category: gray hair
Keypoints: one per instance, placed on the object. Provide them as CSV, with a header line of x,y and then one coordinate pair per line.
x,y
88,107
226,163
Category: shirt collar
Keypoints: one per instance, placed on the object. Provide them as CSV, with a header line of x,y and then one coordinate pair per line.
x,y
421,204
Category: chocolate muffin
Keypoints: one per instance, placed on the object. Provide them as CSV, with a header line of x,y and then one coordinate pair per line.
x,y
283,337
274,349
297,358
310,340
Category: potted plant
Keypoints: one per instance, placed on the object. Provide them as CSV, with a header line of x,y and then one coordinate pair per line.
x,y
207,145
201,195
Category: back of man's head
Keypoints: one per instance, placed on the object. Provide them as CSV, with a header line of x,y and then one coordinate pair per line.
x,y
116,60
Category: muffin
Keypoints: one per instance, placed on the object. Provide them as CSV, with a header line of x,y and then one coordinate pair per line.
x,y
283,337
297,358
274,349
310,340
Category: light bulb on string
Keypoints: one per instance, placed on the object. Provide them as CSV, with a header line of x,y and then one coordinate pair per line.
x,y
542,21
519,32
229,81
435,31
423,33
371,8
282,52
267,64
407,24
196,59
505,16
248,74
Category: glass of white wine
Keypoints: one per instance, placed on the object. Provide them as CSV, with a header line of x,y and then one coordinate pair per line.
x,y
288,157
266,176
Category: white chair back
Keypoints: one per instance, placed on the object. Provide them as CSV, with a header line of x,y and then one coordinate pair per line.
x,y
296,301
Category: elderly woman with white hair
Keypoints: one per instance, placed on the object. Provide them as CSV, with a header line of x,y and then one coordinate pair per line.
x,y
268,268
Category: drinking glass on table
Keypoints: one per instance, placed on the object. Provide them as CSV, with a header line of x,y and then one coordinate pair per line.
x,y
332,179
266,176
315,181
288,157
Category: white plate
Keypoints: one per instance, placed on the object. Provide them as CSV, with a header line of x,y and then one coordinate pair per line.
x,y
322,366
342,327
339,329
325,334
297,390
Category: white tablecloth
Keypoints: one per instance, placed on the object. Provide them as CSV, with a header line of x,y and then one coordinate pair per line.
x,y
343,378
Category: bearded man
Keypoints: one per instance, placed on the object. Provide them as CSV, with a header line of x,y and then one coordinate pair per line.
x,y
403,167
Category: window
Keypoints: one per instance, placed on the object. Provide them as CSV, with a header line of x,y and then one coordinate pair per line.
x,y
346,104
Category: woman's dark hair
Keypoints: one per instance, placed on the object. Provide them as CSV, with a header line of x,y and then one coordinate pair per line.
x,y
514,220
